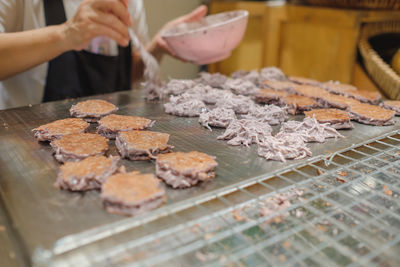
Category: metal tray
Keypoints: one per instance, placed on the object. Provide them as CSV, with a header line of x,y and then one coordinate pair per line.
x,y
51,222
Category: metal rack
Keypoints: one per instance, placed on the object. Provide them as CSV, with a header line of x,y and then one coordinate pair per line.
x,y
348,215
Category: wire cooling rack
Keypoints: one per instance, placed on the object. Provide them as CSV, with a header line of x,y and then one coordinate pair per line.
x,y
342,210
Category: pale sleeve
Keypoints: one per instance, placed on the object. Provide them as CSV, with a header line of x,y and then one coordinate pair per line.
x,y
138,14
11,15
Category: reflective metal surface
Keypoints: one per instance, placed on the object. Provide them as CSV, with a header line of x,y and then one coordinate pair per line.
x,y
54,221
11,254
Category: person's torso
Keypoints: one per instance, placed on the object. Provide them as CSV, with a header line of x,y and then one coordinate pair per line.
x,y
28,87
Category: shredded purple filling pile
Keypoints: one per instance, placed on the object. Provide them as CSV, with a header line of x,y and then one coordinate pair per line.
x,y
185,106
271,114
241,87
207,94
240,104
199,90
216,80
178,86
211,97
251,76
310,130
257,78
153,90
183,98
245,132
271,74
218,117
288,146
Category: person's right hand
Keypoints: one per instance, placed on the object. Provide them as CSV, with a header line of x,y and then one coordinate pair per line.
x,y
98,17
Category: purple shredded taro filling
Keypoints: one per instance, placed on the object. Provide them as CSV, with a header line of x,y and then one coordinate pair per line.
x,y
206,93
212,96
241,87
280,148
240,104
257,78
185,106
216,80
245,132
271,114
153,90
310,130
251,76
272,74
218,117
178,86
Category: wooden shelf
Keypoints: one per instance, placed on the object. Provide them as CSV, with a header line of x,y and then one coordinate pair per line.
x,y
315,42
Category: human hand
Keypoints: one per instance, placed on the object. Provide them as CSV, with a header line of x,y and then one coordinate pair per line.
x,y
98,17
158,46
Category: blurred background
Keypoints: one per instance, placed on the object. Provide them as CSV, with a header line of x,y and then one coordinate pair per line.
x,y
351,41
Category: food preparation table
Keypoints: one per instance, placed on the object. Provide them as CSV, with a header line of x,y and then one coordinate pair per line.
x,y
350,220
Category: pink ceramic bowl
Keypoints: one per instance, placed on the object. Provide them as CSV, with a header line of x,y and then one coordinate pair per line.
x,y
209,40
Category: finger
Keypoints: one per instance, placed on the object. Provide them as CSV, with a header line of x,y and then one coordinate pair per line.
x,y
115,7
125,3
196,14
165,46
100,29
110,20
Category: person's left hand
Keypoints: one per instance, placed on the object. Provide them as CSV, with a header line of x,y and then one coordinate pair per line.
x,y
158,47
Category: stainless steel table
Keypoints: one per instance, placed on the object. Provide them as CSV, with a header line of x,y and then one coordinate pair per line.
x,y
195,226
10,253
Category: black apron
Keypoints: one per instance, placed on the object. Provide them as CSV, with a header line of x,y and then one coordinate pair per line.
x,y
81,73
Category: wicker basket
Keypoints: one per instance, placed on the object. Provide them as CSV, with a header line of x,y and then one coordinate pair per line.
x,y
386,78
364,4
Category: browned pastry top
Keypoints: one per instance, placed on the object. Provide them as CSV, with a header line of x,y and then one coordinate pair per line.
x,y
131,188
392,103
82,143
326,115
64,127
191,161
299,101
369,95
278,85
123,123
270,93
339,99
145,139
340,87
310,91
95,166
94,107
302,80
372,112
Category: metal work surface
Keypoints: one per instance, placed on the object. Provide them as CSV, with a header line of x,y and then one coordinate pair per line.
x,y
348,218
9,255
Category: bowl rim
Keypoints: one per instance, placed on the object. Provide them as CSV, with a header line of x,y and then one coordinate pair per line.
x,y
242,14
